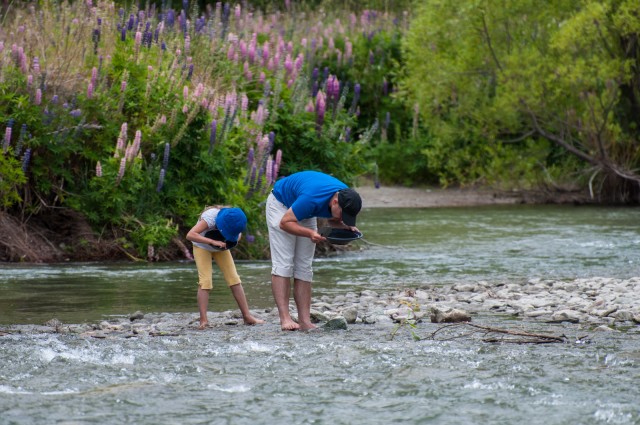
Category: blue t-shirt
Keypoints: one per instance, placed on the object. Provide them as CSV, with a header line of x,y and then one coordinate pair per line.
x,y
307,193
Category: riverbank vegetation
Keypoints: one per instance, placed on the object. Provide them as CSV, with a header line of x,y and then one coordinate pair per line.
x,y
121,122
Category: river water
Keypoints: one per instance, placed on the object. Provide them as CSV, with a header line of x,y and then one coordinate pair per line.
x,y
255,375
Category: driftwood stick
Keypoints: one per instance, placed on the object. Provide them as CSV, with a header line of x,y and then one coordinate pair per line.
x,y
519,333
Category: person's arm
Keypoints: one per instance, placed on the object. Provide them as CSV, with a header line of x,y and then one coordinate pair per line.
x,y
194,235
289,224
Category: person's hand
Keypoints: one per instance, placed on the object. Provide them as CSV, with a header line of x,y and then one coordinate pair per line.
x,y
353,229
317,237
218,244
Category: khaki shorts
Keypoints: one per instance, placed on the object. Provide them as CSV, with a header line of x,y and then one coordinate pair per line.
x,y
291,255
223,259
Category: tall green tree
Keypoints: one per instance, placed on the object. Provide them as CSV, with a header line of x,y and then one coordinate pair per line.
x,y
512,89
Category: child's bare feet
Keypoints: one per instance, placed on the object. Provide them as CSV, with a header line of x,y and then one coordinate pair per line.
x,y
203,325
250,320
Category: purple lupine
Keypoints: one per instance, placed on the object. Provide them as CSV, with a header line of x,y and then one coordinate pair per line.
x,y
26,159
165,157
36,65
250,157
55,99
190,72
212,136
23,133
98,169
161,180
356,98
76,113
372,58
131,22
7,138
123,34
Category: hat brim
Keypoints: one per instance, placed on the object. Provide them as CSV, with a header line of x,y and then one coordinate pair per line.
x,y
348,219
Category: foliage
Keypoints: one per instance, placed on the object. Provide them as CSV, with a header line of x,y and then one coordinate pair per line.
x,y
497,82
139,116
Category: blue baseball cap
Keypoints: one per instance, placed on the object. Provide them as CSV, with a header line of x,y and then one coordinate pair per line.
x,y
231,222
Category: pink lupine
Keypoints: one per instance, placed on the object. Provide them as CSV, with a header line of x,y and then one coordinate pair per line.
x,y
123,130
252,48
288,64
1,46
185,109
123,165
262,78
269,170
310,106
38,98
90,91
238,12
123,86
29,80
185,93
138,39
187,43
199,90
94,76
230,52
98,169
247,72
320,107
242,45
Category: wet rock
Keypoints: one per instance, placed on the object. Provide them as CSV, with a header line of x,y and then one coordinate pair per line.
x,y
338,323
449,316
350,314
138,315
565,316
317,316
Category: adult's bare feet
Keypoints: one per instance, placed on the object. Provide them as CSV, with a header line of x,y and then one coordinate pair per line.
x,y
250,320
203,326
289,325
307,326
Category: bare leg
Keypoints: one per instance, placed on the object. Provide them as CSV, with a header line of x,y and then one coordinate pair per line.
x,y
302,296
281,287
203,303
241,299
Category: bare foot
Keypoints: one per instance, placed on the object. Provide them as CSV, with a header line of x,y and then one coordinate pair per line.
x,y
307,326
289,325
203,326
250,320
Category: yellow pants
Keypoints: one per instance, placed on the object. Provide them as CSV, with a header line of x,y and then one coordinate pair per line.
x,y
223,259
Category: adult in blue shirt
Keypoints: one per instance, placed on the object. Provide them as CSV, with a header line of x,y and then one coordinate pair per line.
x,y
292,208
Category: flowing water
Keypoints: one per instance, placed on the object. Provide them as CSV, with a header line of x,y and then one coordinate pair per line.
x,y
255,375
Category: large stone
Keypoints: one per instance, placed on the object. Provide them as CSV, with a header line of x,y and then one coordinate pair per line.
x,y
452,315
337,323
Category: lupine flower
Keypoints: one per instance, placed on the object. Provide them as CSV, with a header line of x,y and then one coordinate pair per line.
x,y
23,132
38,98
7,138
356,98
76,113
98,169
123,34
29,80
250,157
123,165
36,65
26,159
138,39
165,157
251,238
185,92
161,180
320,108
123,86
190,73
123,130
89,91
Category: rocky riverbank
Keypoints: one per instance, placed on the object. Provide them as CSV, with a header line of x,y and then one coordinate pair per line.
x,y
605,304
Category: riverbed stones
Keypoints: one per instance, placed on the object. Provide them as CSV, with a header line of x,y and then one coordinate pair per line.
x,y
452,315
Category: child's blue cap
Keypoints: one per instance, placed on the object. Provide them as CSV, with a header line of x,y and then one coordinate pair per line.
x,y
231,222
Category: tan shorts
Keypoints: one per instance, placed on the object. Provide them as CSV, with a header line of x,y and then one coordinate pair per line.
x,y
223,259
291,255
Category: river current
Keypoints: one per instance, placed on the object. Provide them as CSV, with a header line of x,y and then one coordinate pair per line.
x,y
365,375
